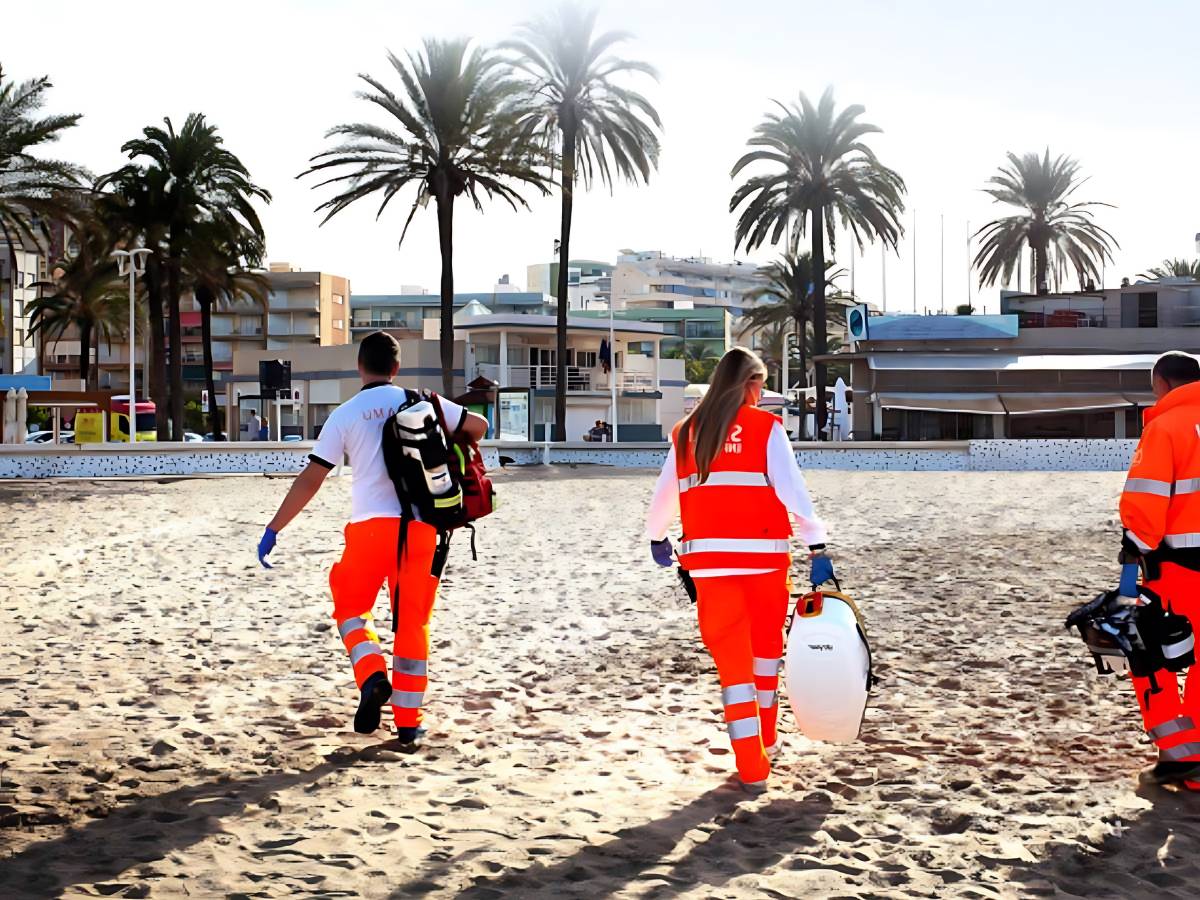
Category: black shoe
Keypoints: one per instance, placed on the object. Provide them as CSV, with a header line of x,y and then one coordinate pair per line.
x,y
376,691
1167,772
409,739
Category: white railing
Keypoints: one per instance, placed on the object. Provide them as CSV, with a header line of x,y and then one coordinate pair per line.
x,y
578,379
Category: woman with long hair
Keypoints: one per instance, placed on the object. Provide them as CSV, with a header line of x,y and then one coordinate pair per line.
x,y
732,478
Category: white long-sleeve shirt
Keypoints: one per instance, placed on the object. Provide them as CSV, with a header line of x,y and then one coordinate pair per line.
x,y
783,474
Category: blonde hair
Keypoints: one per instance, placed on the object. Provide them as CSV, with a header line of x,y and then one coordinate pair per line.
x,y
713,416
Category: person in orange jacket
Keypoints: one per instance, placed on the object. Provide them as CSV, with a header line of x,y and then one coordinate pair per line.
x,y
732,478
1160,511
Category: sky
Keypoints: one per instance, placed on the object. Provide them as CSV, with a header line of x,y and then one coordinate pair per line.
x,y
953,85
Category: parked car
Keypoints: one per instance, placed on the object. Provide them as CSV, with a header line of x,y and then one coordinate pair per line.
x,y
292,437
191,437
45,437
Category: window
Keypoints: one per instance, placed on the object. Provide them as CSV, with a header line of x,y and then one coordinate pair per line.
x,y
339,323
1147,312
586,359
339,299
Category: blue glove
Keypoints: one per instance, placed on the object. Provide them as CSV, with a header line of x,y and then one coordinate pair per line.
x,y
821,571
265,546
663,552
1129,580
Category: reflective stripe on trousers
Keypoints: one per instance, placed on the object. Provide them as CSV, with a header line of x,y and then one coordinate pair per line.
x,y
724,479
743,728
766,667
359,652
1173,726
1182,752
402,665
407,699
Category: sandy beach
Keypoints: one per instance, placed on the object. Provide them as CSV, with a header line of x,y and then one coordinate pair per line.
x,y
176,721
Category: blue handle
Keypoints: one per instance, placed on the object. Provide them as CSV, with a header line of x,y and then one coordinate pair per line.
x,y
1129,580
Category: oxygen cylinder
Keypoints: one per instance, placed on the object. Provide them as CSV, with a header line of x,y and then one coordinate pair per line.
x,y
827,668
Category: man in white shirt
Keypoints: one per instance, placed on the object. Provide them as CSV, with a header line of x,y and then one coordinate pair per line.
x,y
373,553
253,427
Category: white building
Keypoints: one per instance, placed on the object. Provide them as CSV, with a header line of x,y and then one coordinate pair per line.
x,y
650,279
589,282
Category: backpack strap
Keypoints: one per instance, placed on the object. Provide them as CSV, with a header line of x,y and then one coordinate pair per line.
x,y
437,405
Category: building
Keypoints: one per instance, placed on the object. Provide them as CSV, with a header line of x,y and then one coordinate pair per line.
x,y
518,353
706,331
18,348
515,352
589,282
322,378
1072,365
403,315
650,279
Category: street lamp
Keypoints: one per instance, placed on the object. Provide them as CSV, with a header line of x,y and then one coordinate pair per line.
x,y
132,263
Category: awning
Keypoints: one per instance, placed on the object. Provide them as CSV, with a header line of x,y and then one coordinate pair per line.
x,y
1016,404
1028,404
1008,362
957,403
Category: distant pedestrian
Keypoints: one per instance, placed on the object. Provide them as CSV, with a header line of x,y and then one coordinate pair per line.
x,y
253,426
264,430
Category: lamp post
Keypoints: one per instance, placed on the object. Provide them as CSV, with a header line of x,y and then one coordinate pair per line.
x,y
132,263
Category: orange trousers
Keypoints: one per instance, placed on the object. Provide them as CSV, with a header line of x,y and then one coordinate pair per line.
x,y
741,623
368,561
1171,716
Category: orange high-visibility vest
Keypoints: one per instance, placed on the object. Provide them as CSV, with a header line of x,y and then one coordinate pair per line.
x,y
733,519
1160,506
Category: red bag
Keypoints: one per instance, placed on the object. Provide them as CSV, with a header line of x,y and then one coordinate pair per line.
x,y
467,469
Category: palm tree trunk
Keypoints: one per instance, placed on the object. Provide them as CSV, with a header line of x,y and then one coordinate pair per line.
x,y
819,318
1041,285
205,299
158,362
564,255
85,354
175,360
445,216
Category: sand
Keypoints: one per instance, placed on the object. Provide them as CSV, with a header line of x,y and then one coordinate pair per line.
x,y
186,731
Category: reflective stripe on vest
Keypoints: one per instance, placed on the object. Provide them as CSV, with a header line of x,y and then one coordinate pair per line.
x,y
738,693
733,545
1187,486
743,728
724,479
1148,486
1183,541
1174,726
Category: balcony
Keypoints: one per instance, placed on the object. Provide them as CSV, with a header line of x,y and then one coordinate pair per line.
x,y
579,380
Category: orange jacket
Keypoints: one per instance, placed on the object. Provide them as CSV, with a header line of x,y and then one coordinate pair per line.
x,y
733,519
1160,505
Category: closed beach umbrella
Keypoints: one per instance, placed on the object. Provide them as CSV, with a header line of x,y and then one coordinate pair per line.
x,y
10,418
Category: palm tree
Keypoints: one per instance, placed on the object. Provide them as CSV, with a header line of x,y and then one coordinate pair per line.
x,y
789,285
601,130
1060,233
201,182
819,168
219,270
131,201
85,294
457,136
31,189
1174,268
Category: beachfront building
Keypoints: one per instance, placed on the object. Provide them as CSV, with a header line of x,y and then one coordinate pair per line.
x,y
403,315
651,279
517,352
18,348
1070,365
589,282
701,332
